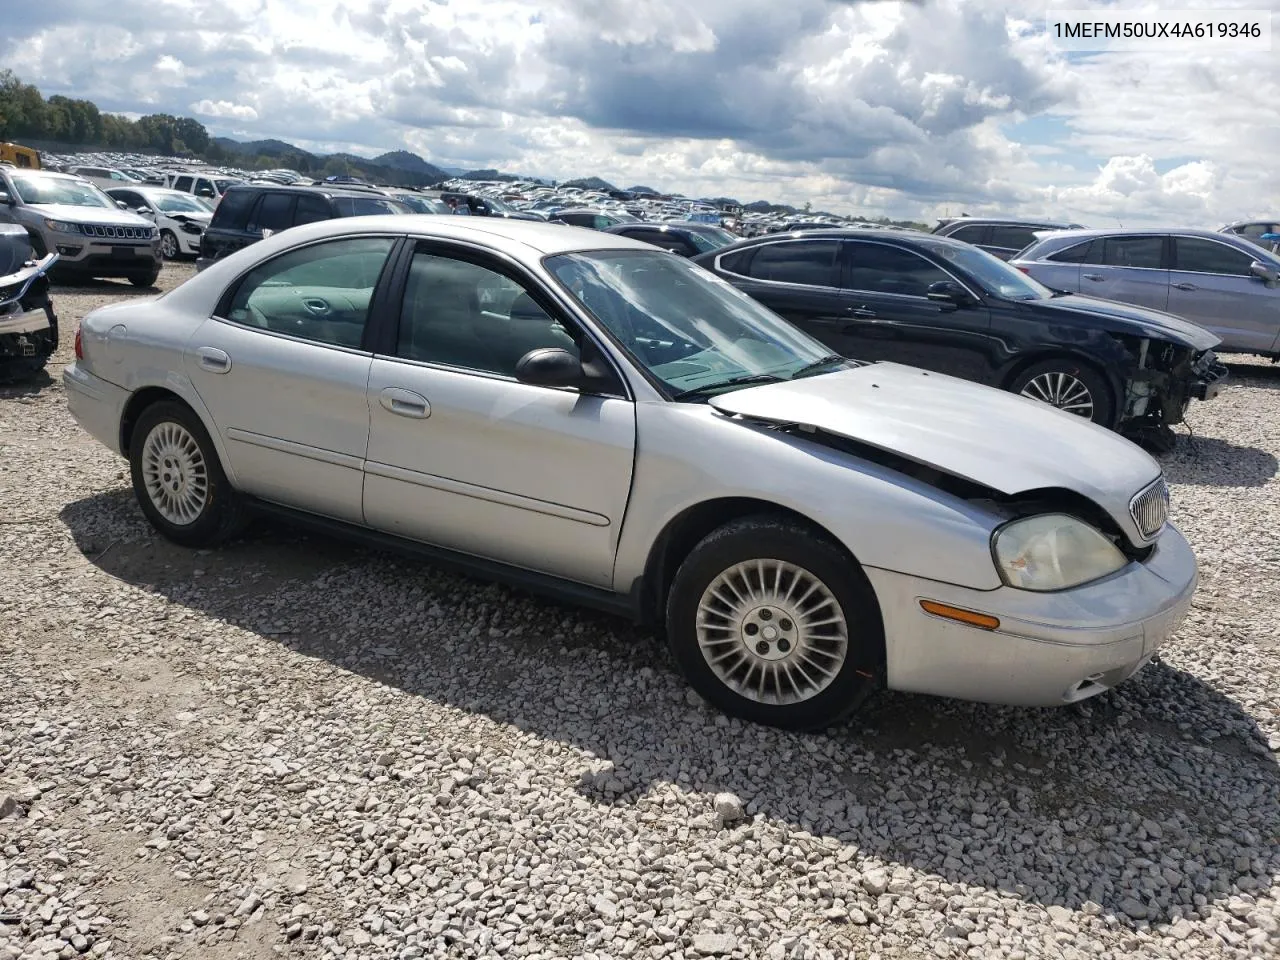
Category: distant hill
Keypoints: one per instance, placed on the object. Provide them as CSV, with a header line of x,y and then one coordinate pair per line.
x,y
258,148
589,183
404,160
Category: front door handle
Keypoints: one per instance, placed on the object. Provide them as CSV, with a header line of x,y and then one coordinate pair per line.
x,y
213,359
404,403
1095,277
862,313
1185,286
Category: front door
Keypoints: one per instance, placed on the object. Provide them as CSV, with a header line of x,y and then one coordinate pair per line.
x,y
284,372
463,456
890,316
1211,285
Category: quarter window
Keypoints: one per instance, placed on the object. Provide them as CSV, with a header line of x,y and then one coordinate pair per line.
x,y
1146,252
1076,254
810,262
879,268
969,233
1197,255
319,293
464,315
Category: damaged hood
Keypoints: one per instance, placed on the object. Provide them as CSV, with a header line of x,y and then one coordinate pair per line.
x,y
1118,317
1000,440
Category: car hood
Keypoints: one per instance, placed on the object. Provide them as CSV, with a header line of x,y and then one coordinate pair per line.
x,y
1122,318
1002,441
77,214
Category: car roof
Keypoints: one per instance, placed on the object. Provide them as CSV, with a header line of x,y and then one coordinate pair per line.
x,y
1012,221
1088,232
517,237
324,189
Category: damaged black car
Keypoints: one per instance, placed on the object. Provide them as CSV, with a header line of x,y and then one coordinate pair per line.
x,y
943,305
28,325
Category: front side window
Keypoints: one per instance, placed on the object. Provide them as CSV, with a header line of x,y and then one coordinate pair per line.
x,y
686,326
1146,252
311,210
462,314
990,273
1197,255
183,184
319,293
810,262
879,268
204,188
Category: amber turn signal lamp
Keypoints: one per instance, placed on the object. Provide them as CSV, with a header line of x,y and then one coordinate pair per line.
x,y
983,621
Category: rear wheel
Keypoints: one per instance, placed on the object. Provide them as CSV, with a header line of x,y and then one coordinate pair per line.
x,y
1069,385
772,622
178,479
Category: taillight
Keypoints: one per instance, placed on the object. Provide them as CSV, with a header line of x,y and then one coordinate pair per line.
x,y
1025,270
79,348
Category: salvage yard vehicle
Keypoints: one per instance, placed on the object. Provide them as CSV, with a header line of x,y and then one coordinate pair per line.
x,y
28,325
944,305
685,238
181,218
71,217
1000,236
1224,283
624,429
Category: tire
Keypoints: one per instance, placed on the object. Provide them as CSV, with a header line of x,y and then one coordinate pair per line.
x,y
144,279
170,445
1064,378
170,249
38,248
740,686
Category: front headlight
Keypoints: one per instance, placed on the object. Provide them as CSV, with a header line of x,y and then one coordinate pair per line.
x,y
62,226
1052,552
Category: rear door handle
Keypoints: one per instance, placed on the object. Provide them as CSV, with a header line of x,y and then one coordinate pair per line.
x,y
404,403
862,313
213,359
1185,286
1096,277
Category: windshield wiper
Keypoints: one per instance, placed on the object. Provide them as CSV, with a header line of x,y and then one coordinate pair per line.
x,y
706,388
817,365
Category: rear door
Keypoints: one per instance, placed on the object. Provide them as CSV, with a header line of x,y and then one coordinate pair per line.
x,y
1211,285
1131,269
889,316
283,369
226,231
1061,270
798,279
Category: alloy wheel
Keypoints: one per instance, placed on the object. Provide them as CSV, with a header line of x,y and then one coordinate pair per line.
x,y
174,473
169,245
772,632
1061,390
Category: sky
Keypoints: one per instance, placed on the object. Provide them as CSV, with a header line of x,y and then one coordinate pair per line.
x,y
868,107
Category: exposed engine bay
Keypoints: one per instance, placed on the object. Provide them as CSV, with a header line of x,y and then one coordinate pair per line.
x,y
28,324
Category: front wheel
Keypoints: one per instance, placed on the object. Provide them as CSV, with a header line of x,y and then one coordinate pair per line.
x,y
145,279
1070,386
178,479
772,622
169,245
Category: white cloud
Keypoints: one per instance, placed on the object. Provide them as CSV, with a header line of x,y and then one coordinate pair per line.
x,y
873,107
224,110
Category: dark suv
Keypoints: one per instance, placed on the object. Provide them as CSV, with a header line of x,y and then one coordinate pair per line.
x,y
248,212
1002,237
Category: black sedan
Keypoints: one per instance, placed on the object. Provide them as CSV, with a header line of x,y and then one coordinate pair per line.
x,y
687,238
947,306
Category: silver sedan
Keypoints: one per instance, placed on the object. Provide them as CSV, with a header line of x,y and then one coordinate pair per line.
x,y
582,414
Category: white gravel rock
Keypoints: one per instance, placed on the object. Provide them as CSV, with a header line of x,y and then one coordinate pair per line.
x,y
293,746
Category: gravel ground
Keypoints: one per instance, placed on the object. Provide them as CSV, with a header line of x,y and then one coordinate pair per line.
x,y
292,746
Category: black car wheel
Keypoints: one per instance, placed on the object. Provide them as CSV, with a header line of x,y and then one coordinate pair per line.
x,y
178,478
145,279
1070,386
774,623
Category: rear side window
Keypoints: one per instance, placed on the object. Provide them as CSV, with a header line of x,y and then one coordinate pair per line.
x,y
273,212
233,210
969,233
1074,254
1011,238
1197,255
737,262
364,206
809,262
1146,252
311,210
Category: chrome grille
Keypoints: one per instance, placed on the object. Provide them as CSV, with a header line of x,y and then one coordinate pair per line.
x,y
1150,508
110,232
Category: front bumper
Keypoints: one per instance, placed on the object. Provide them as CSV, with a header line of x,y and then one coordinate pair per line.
x,y
98,406
98,259
27,334
1051,648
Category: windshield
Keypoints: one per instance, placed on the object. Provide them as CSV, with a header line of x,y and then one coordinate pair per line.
x,y
50,190
367,206
706,240
686,326
991,273
499,206
177,203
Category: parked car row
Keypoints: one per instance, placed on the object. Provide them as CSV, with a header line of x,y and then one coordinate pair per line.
x,y
580,413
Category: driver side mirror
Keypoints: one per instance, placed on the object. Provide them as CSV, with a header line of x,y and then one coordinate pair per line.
x,y
557,367
1264,272
205,193
143,211
950,292
122,205
5,198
